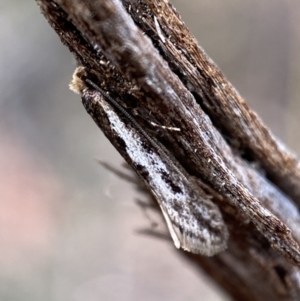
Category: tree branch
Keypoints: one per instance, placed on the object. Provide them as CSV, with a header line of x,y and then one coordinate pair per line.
x,y
163,87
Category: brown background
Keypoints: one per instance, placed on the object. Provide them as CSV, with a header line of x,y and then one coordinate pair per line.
x,y
69,230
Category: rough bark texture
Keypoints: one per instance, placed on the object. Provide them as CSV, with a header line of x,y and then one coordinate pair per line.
x,y
148,60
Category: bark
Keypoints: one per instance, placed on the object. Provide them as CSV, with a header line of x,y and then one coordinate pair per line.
x,y
142,53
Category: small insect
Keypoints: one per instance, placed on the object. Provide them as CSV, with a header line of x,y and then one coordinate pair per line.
x,y
195,223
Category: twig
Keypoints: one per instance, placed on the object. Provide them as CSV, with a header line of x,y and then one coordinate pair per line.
x,y
257,214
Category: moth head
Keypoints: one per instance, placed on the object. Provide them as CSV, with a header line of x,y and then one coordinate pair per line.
x,y
77,83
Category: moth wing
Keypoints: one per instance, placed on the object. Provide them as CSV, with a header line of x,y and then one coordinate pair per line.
x,y
195,222
196,225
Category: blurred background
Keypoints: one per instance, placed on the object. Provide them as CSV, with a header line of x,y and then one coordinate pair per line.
x,y
69,229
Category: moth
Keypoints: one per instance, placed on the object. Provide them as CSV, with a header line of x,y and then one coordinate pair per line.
x,y
195,223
